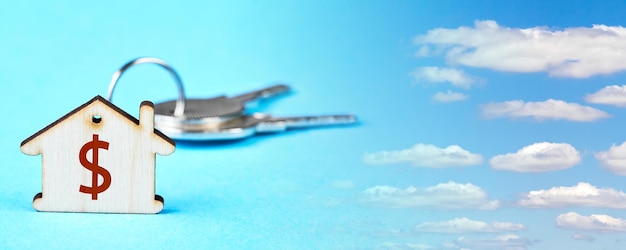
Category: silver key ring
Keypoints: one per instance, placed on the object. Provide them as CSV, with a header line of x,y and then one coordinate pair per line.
x,y
180,102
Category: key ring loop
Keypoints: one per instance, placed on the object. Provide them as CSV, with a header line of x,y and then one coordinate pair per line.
x,y
180,102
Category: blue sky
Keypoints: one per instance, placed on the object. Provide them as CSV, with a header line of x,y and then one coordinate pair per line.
x,y
483,124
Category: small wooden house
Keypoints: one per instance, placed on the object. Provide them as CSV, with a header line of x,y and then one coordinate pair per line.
x,y
98,158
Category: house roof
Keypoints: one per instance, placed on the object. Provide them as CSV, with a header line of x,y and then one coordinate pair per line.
x,y
108,104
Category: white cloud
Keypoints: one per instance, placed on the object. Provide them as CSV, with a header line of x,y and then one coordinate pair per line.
x,y
465,225
595,223
343,184
425,155
503,242
423,51
450,195
549,109
577,52
611,95
449,97
614,159
583,194
538,157
456,77
403,246
578,236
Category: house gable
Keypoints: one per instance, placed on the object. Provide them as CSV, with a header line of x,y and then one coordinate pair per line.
x,y
110,105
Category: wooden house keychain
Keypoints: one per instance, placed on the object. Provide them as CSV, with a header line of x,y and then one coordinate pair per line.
x,y
98,158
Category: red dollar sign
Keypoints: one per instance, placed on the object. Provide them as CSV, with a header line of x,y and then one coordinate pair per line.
x,y
96,170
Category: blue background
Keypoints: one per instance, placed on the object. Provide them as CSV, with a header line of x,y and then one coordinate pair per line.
x,y
299,189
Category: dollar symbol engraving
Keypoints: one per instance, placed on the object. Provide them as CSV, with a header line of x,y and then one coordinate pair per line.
x,y
96,170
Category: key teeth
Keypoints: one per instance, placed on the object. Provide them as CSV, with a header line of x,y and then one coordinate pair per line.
x,y
253,97
346,119
280,88
313,121
273,91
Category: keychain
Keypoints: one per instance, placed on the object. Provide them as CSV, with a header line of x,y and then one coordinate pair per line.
x,y
221,117
98,158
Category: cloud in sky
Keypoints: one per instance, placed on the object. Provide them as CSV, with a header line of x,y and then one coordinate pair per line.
x,y
578,236
614,159
465,225
576,52
549,109
450,195
595,223
449,97
405,246
453,76
426,155
611,95
502,242
538,157
583,194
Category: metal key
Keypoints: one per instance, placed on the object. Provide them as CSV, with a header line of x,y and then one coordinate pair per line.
x,y
224,118
216,109
221,118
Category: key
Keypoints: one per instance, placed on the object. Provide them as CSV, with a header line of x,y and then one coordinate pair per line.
x,y
221,117
249,125
216,109
224,118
